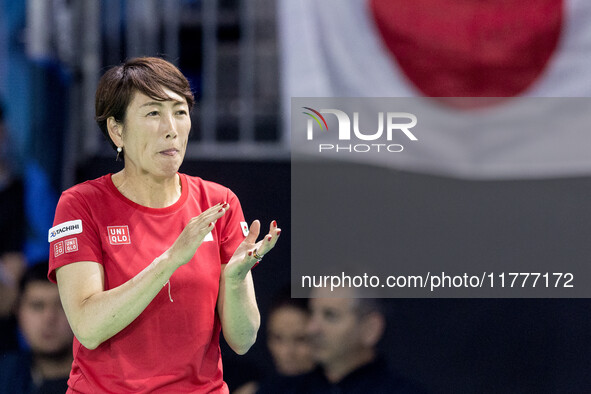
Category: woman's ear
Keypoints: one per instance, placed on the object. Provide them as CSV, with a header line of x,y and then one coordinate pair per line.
x,y
115,131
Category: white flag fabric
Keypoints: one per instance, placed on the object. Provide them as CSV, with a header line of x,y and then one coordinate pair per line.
x,y
453,48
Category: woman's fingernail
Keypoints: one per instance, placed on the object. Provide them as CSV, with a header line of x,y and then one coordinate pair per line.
x,y
250,253
278,232
274,223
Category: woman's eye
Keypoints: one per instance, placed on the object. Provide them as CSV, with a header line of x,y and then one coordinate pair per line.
x,y
181,112
152,113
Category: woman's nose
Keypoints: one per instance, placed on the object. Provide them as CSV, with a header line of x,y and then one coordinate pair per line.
x,y
170,127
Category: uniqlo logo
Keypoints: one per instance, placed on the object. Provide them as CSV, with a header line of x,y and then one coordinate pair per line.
x,y
71,245
118,235
58,248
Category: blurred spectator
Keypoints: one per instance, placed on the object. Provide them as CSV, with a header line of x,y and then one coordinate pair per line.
x,y
286,336
12,234
344,333
45,366
287,342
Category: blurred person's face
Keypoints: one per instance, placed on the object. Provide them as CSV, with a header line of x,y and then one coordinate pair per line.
x,y
288,342
42,319
155,134
336,332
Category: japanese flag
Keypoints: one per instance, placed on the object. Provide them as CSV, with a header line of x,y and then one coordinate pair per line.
x,y
244,227
449,48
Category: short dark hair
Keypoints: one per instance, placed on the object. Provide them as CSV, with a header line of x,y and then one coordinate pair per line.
x,y
33,273
147,75
283,299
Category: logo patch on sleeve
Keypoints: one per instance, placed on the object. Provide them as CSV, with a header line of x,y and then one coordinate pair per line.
x,y
244,227
64,229
58,248
118,235
71,245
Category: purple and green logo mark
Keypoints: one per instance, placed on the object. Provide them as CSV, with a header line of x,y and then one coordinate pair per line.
x,y
316,118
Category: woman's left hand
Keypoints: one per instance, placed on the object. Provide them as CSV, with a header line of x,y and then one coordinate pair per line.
x,y
249,252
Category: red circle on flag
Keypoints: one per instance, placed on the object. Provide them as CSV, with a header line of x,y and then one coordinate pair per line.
x,y
470,48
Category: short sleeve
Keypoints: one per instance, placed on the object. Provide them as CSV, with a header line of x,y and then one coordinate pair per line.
x,y
235,228
74,236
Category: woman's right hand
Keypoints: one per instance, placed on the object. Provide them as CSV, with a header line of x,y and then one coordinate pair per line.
x,y
185,246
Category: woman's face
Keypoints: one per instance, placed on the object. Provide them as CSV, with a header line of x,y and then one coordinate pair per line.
x,y
288,341
155,134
